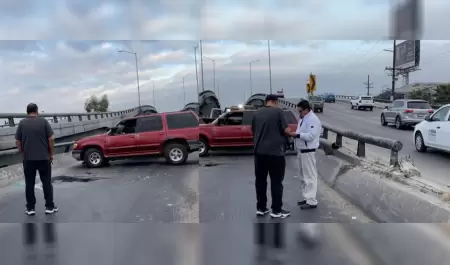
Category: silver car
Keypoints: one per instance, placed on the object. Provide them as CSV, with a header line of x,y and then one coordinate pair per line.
x,y
317,103
405,112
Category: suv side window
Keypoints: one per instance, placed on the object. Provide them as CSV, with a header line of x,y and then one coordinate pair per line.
x,y
397,104
181,121
441,114
130,126
248,117
234,119
149,124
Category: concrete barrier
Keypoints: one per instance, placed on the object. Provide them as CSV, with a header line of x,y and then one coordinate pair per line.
x,y
382,196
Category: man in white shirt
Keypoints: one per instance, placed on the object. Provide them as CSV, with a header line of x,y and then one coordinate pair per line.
x,y
307,141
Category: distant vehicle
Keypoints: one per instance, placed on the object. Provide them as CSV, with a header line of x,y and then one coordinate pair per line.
x,y
405,112
330,98
280,93
317,102
172,135
434,131
362,102
233,130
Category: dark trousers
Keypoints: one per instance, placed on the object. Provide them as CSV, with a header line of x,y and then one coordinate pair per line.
x,y
44,167
274,166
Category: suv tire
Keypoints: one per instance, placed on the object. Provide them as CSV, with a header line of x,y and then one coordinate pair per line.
x,y
94,158
176,153
371,108
398,123
419,143
205,147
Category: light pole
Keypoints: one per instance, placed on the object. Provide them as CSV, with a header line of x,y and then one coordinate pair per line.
x,y
137,75
214,71
270,66
196,68
201,65
184,90
250,69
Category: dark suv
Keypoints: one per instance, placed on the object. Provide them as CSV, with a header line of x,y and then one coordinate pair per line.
x,y
172,135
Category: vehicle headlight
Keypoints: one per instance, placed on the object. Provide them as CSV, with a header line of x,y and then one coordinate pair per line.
x,y
75,145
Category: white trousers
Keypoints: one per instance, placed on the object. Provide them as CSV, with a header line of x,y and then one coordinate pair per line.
x,y
307,172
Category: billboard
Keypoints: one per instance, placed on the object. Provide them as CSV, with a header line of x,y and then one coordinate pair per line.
x,y
407,54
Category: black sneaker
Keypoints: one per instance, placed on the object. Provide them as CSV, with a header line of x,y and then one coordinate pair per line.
x,y
30,212
280,214
51,210
300,203
262,212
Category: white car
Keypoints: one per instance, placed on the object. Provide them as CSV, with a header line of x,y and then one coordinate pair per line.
x,y
434,131
362,102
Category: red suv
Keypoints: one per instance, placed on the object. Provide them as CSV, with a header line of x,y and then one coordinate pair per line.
x,y
233,130
173,135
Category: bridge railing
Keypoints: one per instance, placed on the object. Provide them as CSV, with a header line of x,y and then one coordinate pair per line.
x,y
382,103
69,117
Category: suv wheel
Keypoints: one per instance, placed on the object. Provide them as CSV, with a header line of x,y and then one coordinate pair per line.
x,y
93,158
398,123
176,153
204,147
383,120
371,108
419,143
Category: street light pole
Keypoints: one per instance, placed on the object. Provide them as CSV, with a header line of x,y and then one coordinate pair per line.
x,y
201,65
250,70
214,71
270,67
196,68
137,76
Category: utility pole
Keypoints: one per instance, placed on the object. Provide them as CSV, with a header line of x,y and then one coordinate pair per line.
x,y
201,65
394,54
368,84
270,66
196,68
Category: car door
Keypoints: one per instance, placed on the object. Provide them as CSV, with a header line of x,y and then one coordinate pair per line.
x,y
391,112
122,143
247,134
440,124
150,135
229,131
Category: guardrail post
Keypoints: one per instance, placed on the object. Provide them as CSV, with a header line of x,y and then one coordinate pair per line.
x,y
89,117
80,118
55,119
361,151
69,118
393,161
325,133
101,116
339,140
96,116
11,122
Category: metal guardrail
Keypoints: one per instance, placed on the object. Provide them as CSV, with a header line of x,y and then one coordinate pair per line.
x,y
348,98
393,145
55,116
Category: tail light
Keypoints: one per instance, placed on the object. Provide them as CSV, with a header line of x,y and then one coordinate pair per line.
x,y
408,111
430,111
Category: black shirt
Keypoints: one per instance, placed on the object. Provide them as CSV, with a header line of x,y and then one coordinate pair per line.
x,y
33,133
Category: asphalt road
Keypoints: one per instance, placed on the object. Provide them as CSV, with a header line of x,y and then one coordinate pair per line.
x,y
146,212
433,164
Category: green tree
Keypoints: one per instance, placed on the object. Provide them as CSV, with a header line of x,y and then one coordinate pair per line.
x,y
92,104
417,94
103,104
442,94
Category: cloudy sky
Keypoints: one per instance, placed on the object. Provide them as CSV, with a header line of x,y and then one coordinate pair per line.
x,y
76,52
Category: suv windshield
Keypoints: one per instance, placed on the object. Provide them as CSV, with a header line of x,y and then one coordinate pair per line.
x,y
418,105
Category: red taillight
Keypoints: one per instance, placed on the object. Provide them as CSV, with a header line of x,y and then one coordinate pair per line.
x,y
430,111
408,111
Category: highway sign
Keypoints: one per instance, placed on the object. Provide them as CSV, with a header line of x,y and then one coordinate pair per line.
x,y
312,83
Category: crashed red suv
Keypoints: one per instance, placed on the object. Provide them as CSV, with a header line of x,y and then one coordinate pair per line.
x,y
173,135
233,130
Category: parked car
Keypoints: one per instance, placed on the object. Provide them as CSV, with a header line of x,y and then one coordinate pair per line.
x,y
172,135
362,102
317,103
330,98
405,112
434,131
233,130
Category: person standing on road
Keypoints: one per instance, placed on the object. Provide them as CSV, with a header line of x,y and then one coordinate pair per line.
x,y
307,141
270,130
34,139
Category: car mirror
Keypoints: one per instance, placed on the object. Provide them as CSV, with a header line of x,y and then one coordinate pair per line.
x,y
387,107
112,130
428,118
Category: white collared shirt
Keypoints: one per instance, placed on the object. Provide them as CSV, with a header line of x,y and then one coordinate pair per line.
x,y
309,129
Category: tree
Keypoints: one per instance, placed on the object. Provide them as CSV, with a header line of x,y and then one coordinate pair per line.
x,y
418,94
93,104
103,104
442,94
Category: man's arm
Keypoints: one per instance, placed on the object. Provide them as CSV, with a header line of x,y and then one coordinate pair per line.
x,y
19,137
51,139
285,126
313,131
